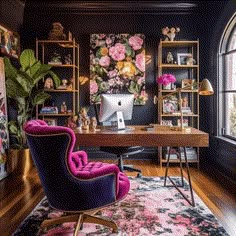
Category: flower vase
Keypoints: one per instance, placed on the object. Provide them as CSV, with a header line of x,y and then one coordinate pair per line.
x,y
166,87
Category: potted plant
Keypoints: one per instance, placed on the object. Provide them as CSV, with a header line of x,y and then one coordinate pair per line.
x,y
21,88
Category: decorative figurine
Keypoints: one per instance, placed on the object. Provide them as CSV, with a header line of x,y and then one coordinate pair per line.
x,y
184,102
168,34
84,118
57,32
170,58
68,59
64,84
190,61
48,83
55,59
63,107
72,122
93,124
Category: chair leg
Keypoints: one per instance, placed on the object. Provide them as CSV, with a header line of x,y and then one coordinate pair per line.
x,y
80,219
102,221
60,220
78,225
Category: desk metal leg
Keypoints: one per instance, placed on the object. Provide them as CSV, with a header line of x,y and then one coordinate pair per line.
x,y
192,202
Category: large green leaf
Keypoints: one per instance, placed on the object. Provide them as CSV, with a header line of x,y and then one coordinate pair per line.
x,y
13,127
42,71
40,98
14,89
10,70
25,81
56,79
134,87
27,59
32,70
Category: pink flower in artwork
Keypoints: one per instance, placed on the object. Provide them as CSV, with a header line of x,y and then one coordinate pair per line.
x,y
166,79
141,80
93,87
104,61
135,42
117,52
112,73
140,62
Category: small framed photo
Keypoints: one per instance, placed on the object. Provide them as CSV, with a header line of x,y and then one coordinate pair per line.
x,y
187,83
50,121
182,58
170,106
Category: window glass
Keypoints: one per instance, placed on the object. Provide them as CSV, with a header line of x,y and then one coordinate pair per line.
x,y
230,112
230,71
232,42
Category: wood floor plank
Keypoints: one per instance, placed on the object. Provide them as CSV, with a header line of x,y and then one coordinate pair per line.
x,y
19,196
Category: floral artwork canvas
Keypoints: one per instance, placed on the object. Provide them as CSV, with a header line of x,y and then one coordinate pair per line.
x,y
117,65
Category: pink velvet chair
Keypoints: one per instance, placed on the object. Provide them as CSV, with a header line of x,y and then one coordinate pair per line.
x,y
71,183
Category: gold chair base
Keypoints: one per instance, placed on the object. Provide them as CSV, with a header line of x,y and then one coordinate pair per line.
x,y
80,218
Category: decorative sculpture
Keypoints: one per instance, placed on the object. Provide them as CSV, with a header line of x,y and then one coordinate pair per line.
x,y
84,118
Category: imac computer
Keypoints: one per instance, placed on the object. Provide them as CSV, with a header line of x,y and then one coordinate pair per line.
x,y
115,109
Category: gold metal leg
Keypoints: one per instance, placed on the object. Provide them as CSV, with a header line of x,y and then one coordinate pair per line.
x,y
78,225
81,218
192,202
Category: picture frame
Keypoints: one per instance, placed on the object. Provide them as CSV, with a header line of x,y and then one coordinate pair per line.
x,y
51,121
182,58
170,106
187,83
9,43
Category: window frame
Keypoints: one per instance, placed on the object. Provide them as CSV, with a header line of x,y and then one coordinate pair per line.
x,y
224,51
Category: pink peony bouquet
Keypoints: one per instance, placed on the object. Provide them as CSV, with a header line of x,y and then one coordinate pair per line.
x,y
166,79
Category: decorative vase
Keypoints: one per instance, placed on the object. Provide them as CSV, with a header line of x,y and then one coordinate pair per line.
x,y
19,162
166,87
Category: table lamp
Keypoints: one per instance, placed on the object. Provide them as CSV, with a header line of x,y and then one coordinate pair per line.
x,y
205,88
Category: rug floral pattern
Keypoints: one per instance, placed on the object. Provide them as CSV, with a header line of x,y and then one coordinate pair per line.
x,y
117,65
149,209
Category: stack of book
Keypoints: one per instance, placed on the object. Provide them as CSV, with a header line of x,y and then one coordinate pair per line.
x,y
49,110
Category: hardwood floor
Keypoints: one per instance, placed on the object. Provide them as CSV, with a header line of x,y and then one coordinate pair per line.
x,y
19,195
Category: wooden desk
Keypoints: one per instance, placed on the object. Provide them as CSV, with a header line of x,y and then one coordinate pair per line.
x,y
160,136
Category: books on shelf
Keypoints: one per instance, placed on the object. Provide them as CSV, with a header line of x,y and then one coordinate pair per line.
x,y
190,152
49,110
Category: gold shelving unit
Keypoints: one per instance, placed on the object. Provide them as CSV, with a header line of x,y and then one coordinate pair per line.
x,y
175,47
43,50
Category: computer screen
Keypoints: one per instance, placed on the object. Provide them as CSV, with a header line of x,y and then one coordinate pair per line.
x,y
115,109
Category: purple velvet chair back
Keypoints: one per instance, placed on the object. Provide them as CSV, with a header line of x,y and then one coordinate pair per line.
x,y
51,149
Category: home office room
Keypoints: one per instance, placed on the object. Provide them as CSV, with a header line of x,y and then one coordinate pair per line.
x,y
117,117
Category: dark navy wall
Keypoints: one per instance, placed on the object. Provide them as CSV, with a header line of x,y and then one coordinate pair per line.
x,y
221,155
200,20
11,14
83,24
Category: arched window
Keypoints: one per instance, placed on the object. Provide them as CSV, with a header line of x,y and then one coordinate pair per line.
x,y
227,81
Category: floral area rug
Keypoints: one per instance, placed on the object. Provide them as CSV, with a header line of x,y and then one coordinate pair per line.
x,y
149,209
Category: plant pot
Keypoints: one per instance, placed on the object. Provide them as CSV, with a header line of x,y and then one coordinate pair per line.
x,y
19,162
